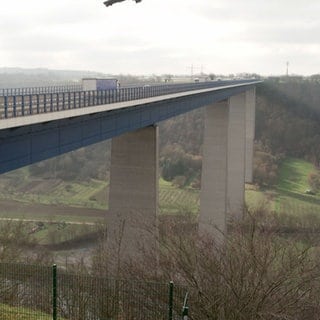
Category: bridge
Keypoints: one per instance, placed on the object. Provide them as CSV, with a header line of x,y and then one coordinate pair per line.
x,y
37,125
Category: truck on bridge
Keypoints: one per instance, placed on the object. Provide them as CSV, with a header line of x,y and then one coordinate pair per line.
x,y
99,84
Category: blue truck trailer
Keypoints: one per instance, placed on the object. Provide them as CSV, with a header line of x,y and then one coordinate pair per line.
x,y
99,84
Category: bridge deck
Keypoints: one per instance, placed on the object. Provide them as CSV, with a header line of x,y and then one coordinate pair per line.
x,y
17,110
51,124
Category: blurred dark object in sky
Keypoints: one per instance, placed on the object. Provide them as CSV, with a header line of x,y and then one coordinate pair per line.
x,y
111,2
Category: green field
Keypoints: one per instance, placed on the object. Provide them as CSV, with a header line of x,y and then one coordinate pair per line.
x,y
175,200
289,195
19,313
87,194
68,210
91,194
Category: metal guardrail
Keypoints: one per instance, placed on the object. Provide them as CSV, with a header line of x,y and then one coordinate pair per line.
x,y
12,106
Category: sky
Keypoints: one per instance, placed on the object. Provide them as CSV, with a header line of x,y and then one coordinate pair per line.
x,y
162,36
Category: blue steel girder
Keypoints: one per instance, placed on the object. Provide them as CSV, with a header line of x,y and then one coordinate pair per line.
x,y
24,145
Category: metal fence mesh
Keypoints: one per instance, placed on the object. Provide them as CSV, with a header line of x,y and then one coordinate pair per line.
x,y
26,292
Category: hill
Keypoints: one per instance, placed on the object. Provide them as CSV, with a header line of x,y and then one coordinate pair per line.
x,y
286,125
21,77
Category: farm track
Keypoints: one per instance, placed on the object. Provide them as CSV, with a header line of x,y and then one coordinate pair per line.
x,y
38,209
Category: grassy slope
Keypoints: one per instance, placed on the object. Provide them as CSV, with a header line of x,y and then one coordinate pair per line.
x,y
294,175
174,200
289,195
80,194
293,182
29,193
15,313
90,194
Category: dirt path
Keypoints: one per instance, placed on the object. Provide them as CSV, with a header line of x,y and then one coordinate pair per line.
x,y
11,206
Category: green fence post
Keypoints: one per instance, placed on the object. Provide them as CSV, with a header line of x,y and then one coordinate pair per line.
x,y
185,313
171,300
54,292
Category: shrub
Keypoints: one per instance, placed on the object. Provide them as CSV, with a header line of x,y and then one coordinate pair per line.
x,y
265,168
254,275
314,181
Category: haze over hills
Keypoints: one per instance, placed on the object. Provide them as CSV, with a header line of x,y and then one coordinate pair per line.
x,y
21,77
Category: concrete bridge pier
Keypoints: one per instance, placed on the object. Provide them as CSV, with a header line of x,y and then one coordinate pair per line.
x,y
133,193
227,162
236,156
213,196
250,128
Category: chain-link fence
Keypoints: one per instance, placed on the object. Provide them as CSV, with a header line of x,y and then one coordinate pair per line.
x,y
25,292
30,292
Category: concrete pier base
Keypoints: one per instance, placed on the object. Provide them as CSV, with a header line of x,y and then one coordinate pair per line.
x,y
133,194
213,196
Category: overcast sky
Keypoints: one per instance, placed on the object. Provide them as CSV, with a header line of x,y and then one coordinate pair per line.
x,y
162,36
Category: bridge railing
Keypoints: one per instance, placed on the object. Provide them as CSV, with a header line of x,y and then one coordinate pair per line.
x,y
28,104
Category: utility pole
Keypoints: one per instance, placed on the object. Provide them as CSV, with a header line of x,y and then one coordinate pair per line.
x,y
287,68
191,70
